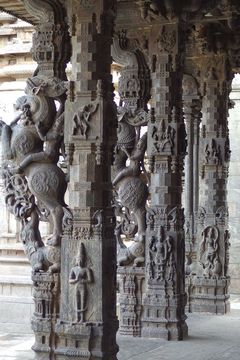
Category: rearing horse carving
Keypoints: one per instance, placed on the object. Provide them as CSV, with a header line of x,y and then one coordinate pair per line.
x,y
31,146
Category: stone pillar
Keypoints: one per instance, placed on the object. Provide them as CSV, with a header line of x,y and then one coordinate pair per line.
x,y
87,323
165,298
189,178
196,130
210,286
191,107
130,181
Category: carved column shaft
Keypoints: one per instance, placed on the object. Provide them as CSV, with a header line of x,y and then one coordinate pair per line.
x,y
213,235
192,115
130,181
88,307
189,177
165,300
196,124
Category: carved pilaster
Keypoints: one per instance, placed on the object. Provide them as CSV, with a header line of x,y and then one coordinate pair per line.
x,y
165,299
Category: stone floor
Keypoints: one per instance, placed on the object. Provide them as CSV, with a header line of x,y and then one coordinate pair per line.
x,y
210,338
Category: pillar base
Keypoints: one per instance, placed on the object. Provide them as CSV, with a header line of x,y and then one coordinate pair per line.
x,y
164,317
131,288
78,341
210,295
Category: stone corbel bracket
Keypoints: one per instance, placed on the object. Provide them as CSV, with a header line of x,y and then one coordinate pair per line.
x,y
135,82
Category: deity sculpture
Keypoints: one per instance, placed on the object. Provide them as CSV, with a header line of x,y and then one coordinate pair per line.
x,y
209,252
161,260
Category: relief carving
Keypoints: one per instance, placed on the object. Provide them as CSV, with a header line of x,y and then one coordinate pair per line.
x,y
161,265
167,40
82,119
80,276
209,252
163,138
227,245
213,154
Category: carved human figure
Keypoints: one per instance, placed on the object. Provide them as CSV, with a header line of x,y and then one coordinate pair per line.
x,y
160,256
227,246
80,276
209,249
163,137
23,142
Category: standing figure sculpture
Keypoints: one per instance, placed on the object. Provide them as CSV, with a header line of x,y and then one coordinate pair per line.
x,y
209,252
80,276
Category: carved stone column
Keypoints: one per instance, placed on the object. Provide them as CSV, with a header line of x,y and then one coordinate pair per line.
x,y
191,107
87,325
165,297
33,180
130,181
210,286
196,131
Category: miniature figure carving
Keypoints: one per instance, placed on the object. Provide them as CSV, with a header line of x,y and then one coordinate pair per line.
x,y
213,153
163,137
80,276
81,119
161,259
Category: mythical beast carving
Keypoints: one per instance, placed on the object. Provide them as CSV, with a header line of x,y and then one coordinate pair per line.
x,y
33,181
131,189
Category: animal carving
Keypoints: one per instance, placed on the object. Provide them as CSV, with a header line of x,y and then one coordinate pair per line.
x,y
132,254
41,257
131,189
32,142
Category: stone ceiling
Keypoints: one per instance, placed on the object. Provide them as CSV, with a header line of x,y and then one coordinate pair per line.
x,y
17,8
